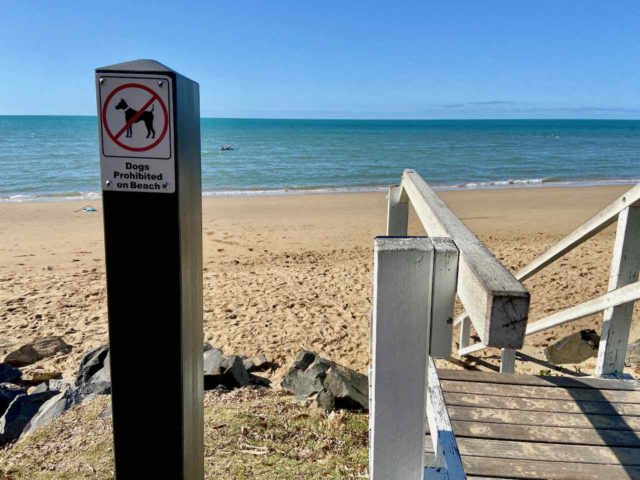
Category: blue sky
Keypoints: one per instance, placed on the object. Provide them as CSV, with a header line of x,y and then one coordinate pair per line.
x,y
335,59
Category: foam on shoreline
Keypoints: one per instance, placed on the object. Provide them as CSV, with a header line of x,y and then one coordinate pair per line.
x,y
480,185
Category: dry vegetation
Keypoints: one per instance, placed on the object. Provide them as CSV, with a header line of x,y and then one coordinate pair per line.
x,y
249,433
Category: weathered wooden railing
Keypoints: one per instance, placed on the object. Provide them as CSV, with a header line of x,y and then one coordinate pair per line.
x,y
414,291
495,301
415,283
617,303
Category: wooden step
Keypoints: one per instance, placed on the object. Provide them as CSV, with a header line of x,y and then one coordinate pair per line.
x,y
527,427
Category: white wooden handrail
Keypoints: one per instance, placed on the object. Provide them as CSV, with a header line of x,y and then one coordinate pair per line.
x,y
617,303
620,296
595,224
496,302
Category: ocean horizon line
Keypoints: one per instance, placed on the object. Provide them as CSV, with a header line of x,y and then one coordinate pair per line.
x,y
329,190
372,119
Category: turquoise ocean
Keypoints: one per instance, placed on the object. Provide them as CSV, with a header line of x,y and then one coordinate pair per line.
x,y
56,157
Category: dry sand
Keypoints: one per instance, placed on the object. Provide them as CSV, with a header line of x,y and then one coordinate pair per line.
x,y
284,273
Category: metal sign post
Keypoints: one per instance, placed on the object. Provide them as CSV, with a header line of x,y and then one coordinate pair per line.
x,y
149,120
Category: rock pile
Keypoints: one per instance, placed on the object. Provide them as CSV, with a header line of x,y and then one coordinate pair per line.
x,y
24,409
26,406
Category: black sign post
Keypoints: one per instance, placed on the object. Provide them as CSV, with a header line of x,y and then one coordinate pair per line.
x,y
149,120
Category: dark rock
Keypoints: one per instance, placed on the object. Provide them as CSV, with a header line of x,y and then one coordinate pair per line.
x,y
326,401
333,386
303,360
306,376
226,371
104,374
92,389
234,368
19,413
9,374
349,389
94,375
48,347
58,384
93,363
633,355
213,359
222,370
8,391
258,381
51,409
575,348
25,355
32,352
257,363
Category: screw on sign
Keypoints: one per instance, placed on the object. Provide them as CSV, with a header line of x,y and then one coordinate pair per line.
x,y
132,116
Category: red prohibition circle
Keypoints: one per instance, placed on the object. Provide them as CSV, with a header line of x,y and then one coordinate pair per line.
x,y
114,138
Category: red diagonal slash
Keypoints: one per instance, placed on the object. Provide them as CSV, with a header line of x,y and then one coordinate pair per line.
x,y
154,95
135,118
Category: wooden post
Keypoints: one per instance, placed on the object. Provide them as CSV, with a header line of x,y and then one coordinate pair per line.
x,y
507,360
153,249
397,212
401,322
444,282
624,271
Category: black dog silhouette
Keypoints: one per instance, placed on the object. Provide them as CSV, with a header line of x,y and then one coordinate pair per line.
x,y
146,117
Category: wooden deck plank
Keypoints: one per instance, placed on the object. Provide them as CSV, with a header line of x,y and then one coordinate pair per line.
x,y
522,426
517,417
529,391
541,405
571,436
547,381
550,452
483,467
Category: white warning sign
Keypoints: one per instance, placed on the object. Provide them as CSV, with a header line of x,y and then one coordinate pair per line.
x,y
136,133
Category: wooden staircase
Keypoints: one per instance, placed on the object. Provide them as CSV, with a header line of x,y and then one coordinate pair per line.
x,y
524,426
482,424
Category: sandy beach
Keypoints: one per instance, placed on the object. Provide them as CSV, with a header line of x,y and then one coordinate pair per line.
x,y
283,273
